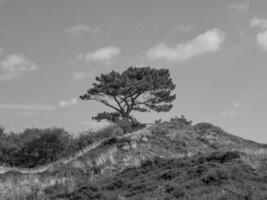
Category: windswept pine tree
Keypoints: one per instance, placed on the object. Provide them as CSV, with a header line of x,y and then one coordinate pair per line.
x,y
141,89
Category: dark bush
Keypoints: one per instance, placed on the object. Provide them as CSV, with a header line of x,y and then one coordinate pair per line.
x,y
2,131
35,147
168,175
221,157
115,185
178,193
181,119
207,126
215,177
50,146
83,193
129,125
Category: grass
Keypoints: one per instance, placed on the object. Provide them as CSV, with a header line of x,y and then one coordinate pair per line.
x,y
218,176
175,161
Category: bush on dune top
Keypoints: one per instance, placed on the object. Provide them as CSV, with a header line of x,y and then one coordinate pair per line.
x,y
37,147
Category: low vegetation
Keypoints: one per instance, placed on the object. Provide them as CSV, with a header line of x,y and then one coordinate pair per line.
x,y
37,147
217,176
167,161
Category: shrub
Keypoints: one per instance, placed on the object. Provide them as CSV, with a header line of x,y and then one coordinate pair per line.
x,y
158,121
34,147
88,138
207,126
2,131
181,119
129,125
50,146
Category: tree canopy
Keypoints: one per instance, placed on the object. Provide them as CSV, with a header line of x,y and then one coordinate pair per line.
x,y
136,89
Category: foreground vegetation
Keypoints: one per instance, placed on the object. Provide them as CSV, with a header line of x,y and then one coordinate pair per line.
x,y
217,176
169,160
36,147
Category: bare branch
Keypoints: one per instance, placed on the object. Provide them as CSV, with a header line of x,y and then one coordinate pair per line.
x,y
95,98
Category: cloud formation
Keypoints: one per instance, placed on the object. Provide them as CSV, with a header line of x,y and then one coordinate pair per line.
x,y
27,107
206,42
15,66
104,54
235,110
262,36
77,76
66,103
240,5
258,22
81,29
262,40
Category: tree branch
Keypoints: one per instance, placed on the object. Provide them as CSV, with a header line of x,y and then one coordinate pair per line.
x,y
119,104
104,102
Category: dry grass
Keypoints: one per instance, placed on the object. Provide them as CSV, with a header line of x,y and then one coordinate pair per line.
x,y
118,158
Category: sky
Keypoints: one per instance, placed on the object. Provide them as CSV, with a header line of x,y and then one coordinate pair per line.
x,y
216,51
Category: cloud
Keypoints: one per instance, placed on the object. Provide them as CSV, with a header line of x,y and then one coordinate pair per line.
x,y
229,113
206,42
77,76
27,107
258,22
237,107
15,66
262,36
101,55
66,103
241,5
81,29
1,51
262,40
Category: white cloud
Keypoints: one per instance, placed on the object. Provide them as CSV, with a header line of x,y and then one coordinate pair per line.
x,y
103,54
262,40
27,107
241,5
77,76
262,36
81,29
258,22
229,113
237,107
14,66
206,42
65,103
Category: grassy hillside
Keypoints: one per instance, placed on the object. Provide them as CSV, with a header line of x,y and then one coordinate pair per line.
x,y
170,160
214,176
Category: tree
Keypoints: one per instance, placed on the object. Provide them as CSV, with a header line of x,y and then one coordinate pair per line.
x,y
135,89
